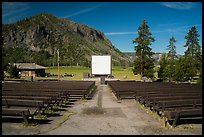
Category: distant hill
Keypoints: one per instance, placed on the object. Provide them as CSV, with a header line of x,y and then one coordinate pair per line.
x,y
37,39
156,56
132,56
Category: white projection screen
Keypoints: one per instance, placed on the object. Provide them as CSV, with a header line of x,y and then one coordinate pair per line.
x,y
101,65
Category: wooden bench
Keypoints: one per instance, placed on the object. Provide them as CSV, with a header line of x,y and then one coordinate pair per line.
x,y
177,114
17,113
54,95
145,97
151,101
162,105
24,103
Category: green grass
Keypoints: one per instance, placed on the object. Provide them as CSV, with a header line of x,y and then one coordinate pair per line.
x,y
117,72
77,71
124,74
68,70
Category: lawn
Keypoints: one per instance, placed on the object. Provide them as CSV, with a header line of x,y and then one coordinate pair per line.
x,y
124,74
117,72
77,71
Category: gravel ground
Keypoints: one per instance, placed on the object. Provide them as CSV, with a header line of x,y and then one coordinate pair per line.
x,y
103,115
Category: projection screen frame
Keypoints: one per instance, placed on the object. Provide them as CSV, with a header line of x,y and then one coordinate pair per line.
x,y
101,74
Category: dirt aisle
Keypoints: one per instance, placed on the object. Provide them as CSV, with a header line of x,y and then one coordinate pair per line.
x,y
105,115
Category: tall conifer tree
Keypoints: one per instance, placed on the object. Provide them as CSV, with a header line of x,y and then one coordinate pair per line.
x,y
144,62
193,52
171,58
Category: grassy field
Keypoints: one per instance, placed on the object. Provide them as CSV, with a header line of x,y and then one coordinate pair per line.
x,y
77,71
124,74
118,73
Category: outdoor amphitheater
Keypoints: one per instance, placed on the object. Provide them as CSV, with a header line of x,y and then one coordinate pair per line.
x,y
38,101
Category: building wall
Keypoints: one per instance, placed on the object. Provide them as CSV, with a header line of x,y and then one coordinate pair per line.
x,y
28,73
40,72
34,72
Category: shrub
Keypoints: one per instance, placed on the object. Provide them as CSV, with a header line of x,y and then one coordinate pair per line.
x,y
13,71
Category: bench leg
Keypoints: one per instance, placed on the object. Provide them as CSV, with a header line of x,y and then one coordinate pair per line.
x,y
24,118
175,121
6,103
118,96
39,109
164,121
67,97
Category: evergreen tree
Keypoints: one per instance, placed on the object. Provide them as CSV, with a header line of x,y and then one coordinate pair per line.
x,y
193,52
13,71
170,68
192,44
184,70
144,62
172,49
162,65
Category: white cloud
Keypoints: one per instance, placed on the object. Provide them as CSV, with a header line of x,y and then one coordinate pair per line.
x,y
82,11
176,29
179,5
14,10
169,30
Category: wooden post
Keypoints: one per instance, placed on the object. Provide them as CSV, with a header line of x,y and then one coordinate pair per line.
x,y
58,64
103,80
141,65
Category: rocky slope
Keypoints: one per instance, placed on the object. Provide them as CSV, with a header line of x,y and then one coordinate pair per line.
x,y
37,39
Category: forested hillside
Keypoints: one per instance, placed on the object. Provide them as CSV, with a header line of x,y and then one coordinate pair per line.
x,y
38,38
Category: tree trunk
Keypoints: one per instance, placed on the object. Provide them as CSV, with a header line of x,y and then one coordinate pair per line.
x,y
141,65
58,61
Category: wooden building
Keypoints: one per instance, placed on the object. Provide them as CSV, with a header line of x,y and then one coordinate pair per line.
x,y
31,69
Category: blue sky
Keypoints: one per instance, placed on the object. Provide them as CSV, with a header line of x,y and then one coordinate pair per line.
x,y
119,21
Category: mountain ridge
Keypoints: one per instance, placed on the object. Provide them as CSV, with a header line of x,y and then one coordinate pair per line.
x,y
156,56
36,39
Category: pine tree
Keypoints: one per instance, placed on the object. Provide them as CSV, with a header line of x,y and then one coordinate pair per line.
x,y
192,44
184,70
162,65
172,48
144,62
13,71
170,68
193,52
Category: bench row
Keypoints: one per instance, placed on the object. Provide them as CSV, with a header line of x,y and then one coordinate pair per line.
x,y
37,99
170,101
